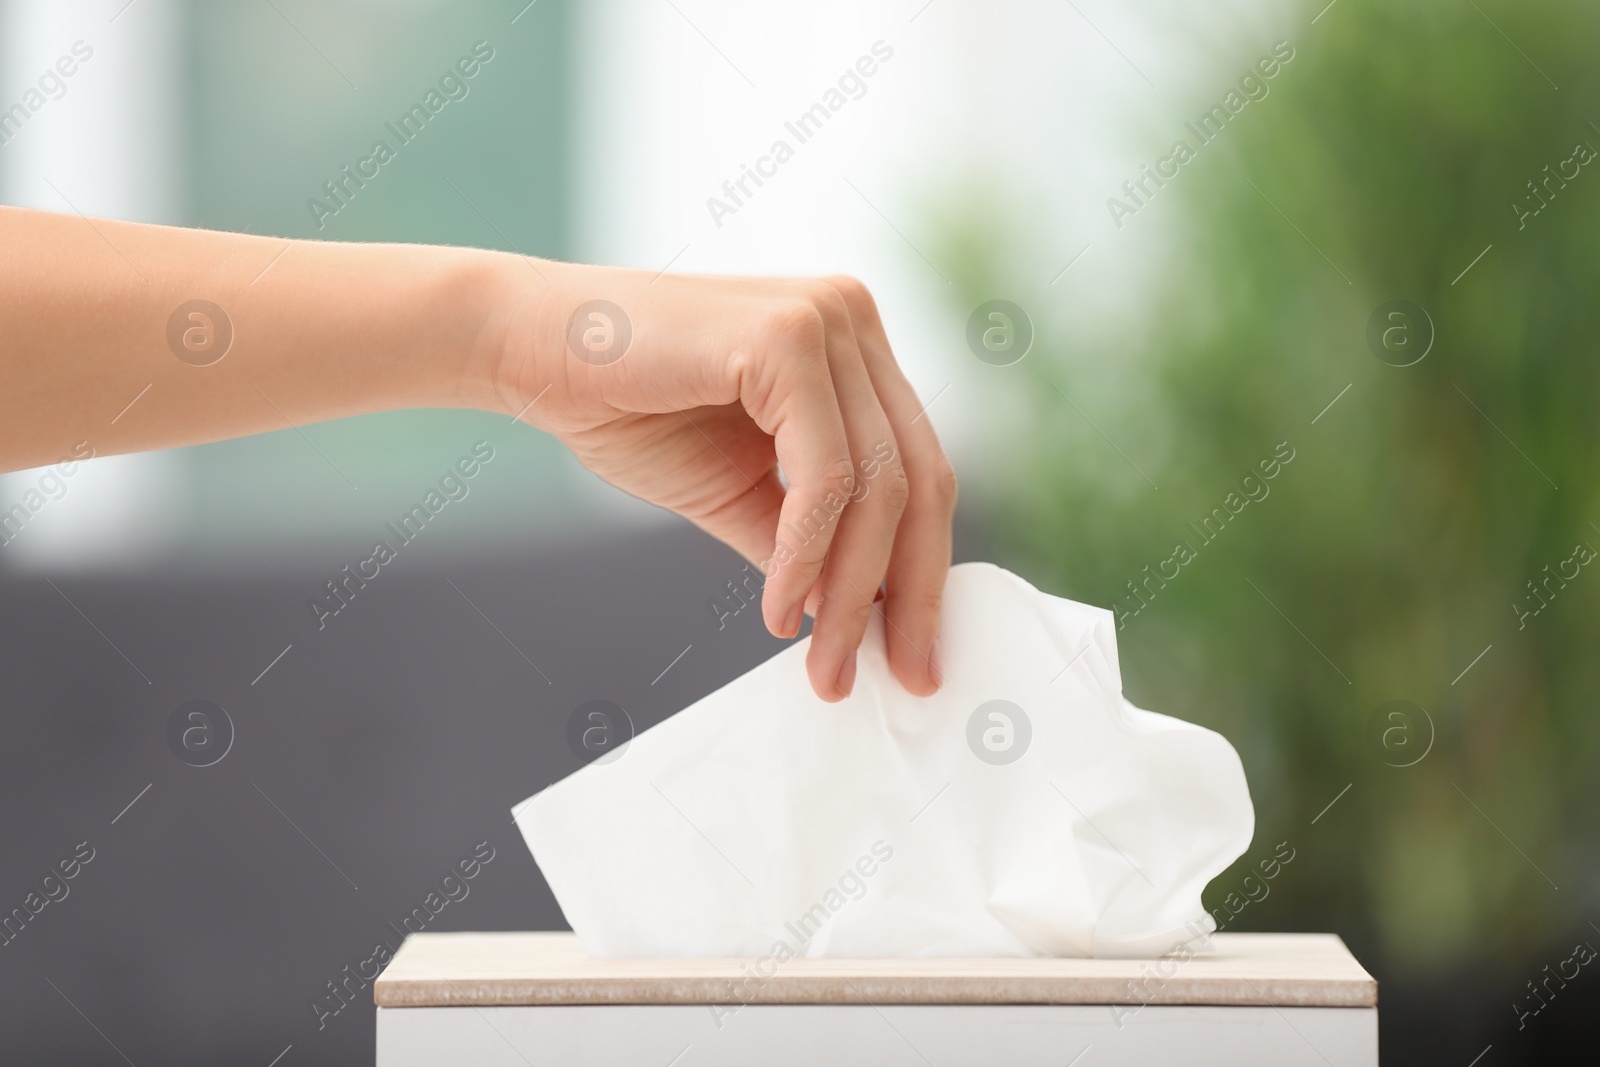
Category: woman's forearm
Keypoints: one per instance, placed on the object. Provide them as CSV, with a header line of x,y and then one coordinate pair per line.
x,y
96,313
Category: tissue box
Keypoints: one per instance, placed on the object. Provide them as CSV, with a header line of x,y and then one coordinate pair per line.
x,y
516,999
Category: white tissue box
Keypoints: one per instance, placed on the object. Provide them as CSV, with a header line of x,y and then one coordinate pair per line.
x,y
520,999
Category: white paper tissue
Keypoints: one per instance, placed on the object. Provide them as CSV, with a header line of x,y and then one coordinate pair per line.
x,y
1026,809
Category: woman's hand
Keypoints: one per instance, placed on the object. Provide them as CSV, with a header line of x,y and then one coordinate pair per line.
x,y
692,392
688,392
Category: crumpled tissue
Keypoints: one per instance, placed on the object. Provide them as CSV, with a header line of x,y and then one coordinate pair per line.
x,y
1025,809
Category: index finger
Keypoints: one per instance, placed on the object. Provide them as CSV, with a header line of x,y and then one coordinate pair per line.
x,y
790,394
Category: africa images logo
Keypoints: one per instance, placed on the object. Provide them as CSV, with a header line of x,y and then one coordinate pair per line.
x,y
452,86
851,85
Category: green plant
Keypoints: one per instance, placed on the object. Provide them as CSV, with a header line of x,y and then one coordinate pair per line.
x,y
1389,552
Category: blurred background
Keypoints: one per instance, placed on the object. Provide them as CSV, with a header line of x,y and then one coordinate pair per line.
x,y
1369,270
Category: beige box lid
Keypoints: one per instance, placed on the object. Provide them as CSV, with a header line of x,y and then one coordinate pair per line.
x,y
500,969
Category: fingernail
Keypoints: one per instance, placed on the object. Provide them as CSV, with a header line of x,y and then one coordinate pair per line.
x,y
791,624
935,670
847,674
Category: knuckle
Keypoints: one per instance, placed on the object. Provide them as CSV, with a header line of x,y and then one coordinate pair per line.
x,y
853,606
829,302
837,476
928,602
854,292
942,485
914,597
799,325
894,488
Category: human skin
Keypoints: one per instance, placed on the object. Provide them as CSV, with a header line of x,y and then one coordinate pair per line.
x,y
726,381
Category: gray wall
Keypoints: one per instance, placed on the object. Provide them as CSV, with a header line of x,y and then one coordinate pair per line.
x,y
396,739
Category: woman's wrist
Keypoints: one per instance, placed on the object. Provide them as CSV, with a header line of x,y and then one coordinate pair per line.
x,y
544,319
518,302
